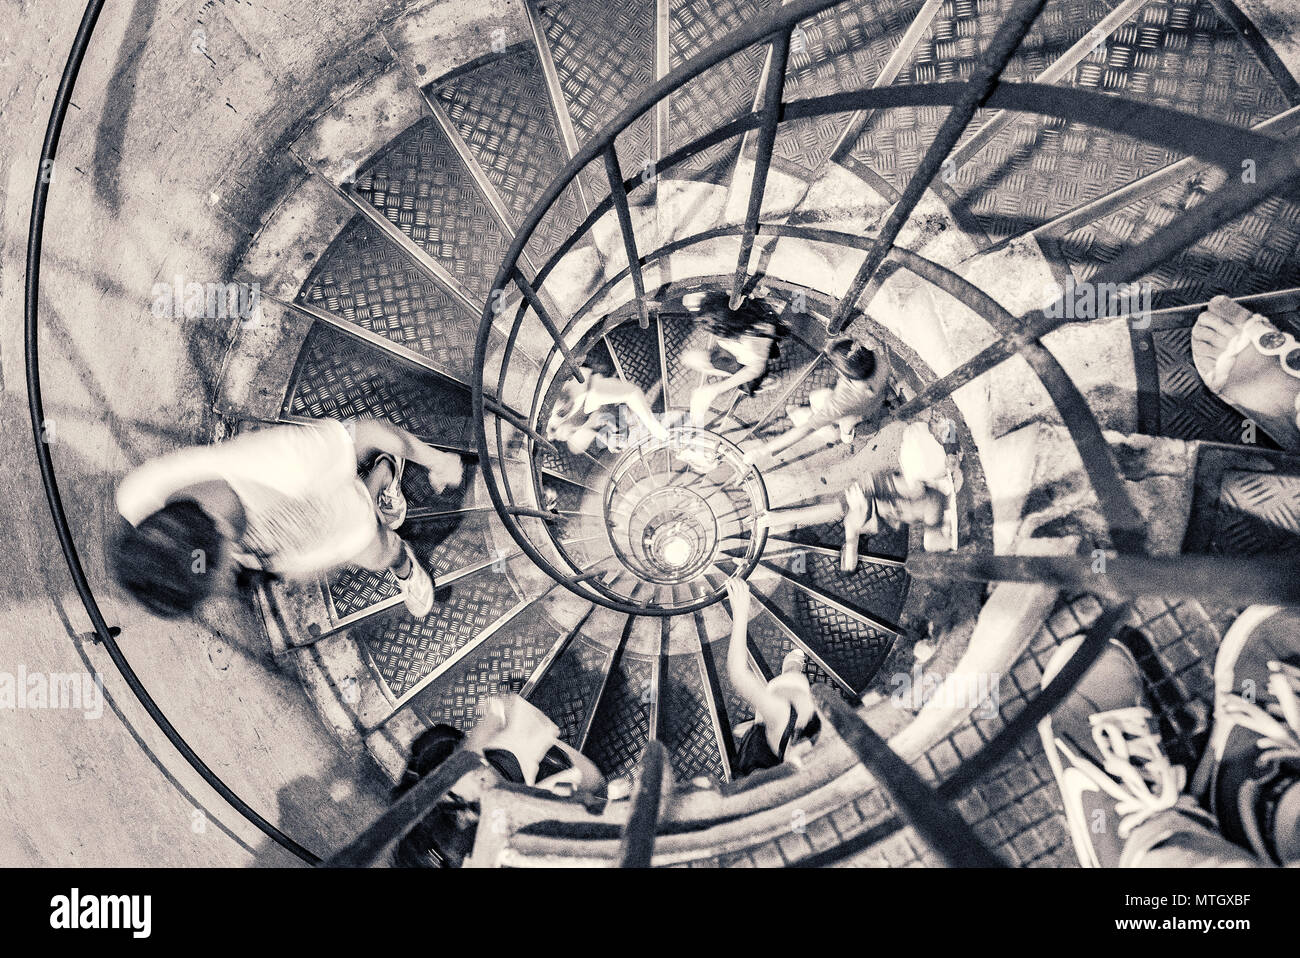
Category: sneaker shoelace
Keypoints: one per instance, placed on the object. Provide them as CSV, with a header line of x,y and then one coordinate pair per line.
x,y
1133,757
1277,720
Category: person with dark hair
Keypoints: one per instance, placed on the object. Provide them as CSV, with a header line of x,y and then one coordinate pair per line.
x,y
746,342
285,501
577,419
785,714
859,391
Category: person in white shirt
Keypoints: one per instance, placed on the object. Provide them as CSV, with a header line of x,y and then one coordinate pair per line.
x,y
285,500
858,394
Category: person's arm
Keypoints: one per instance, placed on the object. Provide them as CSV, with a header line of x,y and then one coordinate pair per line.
x,y
149,487
375,435
781,442
747,683
855,520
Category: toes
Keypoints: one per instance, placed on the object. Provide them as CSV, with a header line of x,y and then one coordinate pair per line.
x,y
1211,335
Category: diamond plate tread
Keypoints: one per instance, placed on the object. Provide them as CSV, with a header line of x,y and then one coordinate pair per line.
x,y
1257,252
1175,53
567,693
366,279
404,649
687,724
420,184
774,645
1188,409
604,54
680,334
854,650
637,350
441,546
1257,513
622,724
878,589
502,112
720,95
338,377
839,49
499,667
893,141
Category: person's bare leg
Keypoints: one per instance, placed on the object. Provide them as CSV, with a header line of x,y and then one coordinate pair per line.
x,y
386,551
379,478
779,520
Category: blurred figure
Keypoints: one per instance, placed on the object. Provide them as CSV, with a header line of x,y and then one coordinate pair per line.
x,y
285,501
784,712
864,373
576,418
852,508
746,342
523,745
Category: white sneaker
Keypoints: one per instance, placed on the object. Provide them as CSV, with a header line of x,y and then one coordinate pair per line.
x,y
417,587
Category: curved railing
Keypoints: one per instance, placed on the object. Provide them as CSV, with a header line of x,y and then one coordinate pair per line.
x,y
1226,580
106,635
1218,143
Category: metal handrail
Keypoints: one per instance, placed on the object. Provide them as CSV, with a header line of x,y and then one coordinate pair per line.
x,y
1218,143
53,498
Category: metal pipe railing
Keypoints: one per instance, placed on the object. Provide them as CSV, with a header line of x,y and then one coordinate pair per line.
x,y
31,332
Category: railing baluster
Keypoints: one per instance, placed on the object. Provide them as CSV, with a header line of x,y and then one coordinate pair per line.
x,y
539,308
938,825
762,159
978,87
637,845
368,849
618,192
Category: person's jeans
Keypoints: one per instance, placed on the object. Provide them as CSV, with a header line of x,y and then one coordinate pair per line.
x,y
1178,839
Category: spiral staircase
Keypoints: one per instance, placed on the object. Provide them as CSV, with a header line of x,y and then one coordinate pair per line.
x,y
550,201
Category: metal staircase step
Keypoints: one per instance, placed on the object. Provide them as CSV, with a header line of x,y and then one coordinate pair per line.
x,y
422,187
620,727
638,354
718,96
368,281
604,55
569,689
405,650
499,666
687,724
442,546
337,377
500,110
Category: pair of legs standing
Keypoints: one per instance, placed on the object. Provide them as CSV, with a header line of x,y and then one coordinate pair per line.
x,y
1128,805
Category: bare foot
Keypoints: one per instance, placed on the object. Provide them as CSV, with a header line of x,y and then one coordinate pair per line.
x,y
1226,343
